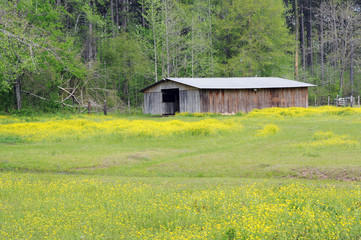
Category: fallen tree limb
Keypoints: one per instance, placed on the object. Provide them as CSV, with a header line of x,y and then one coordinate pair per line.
x,y
71,94
80,107
45,99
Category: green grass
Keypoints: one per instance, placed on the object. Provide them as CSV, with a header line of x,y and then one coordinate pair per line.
x,y
280,184
239,154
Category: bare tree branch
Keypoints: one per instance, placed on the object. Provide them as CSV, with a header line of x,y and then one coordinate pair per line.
x,y
45,99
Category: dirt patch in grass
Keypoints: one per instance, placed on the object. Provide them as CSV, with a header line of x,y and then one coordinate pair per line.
x,y
340,174
120,160
126,159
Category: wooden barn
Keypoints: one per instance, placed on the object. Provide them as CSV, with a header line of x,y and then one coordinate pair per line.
x,y
223,95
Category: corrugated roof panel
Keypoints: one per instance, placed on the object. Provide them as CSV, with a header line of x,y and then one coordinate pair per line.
x,y
240,83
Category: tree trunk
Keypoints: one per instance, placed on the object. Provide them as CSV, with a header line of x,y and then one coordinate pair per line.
x,y
112,16
309,38
167,37
341,67
192,30
303,45
94,44
351,66
17,91
117,16
125,14
211,36
90,44
155,45
143,19
341,82
126,92
322,51
335,41
297,38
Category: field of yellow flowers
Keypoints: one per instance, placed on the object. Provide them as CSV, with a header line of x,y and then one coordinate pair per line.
x,y
37,206
270,174
86,127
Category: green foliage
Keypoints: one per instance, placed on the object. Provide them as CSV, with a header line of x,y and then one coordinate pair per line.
x,y
125,55
103,53
10,139
253,39
231,234
41,54
5,101
124,64
181,37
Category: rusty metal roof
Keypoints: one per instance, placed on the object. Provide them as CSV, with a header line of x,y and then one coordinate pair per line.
x,y
236,83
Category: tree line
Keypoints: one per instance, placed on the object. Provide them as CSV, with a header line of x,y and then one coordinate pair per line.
x,y
57,53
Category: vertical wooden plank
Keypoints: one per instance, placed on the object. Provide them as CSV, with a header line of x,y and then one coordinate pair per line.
x,y
154,103
242,101
234,101
198,106
190,101
222,103
247,100
182,100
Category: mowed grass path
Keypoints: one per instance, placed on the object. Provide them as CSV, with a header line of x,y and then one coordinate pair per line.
x,y
275,173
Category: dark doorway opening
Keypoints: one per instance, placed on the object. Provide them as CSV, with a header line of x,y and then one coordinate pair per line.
x,y
170,101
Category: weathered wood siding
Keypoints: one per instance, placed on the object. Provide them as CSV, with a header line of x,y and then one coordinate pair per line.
x,y
169,85
168,108
152,103
189,101
245,100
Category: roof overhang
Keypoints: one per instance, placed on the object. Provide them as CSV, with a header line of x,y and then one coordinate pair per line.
x,y
235,83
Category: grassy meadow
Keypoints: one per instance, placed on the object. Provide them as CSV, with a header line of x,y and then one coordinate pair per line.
x,y
270,174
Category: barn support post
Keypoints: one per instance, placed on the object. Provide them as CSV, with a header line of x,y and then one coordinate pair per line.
x,y
328,101
105,107
315,101
337,101
358,101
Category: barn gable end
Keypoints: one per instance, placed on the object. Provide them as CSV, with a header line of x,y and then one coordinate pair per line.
x,y
186,100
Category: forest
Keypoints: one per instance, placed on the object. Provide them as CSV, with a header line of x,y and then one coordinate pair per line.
x,y
57,54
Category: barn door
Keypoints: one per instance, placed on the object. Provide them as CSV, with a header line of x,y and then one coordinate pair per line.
x,y
170,101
